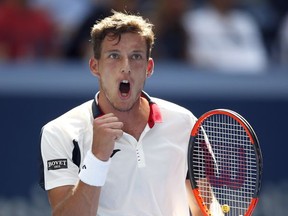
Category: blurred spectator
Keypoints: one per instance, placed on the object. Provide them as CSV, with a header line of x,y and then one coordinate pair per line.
x,y
283,41
267,18
281,6
25,33
66,14
170,33
79,47
225,38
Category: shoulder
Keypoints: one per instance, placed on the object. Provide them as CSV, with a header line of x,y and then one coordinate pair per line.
x,y
199,19
168,105
76,119
171,110
244,18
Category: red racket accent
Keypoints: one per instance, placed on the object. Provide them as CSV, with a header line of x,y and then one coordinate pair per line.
x,y
225,164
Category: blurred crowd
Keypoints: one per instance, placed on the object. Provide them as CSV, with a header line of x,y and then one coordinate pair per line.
x,y
220,34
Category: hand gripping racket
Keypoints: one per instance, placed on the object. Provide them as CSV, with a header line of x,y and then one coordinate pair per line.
x,y
225,164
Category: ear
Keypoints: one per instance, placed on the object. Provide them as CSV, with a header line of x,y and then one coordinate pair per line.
x,y
93,64
150,68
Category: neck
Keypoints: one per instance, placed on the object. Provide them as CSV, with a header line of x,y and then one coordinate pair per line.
x,y
134,120
140,110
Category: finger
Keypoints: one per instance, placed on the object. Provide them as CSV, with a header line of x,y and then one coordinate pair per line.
x,y
113,125
117,134
106,119
105,116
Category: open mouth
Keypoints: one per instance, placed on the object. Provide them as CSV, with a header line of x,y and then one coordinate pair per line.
x,y
124,87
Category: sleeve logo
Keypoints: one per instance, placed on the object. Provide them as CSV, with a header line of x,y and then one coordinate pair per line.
x,y
57,164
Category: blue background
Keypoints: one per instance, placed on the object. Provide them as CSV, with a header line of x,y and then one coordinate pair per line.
x,y
33,94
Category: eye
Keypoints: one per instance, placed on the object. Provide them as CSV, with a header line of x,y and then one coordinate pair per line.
x,y
114,56
137,56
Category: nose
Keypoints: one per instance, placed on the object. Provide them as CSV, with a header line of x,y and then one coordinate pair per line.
x,y
125,66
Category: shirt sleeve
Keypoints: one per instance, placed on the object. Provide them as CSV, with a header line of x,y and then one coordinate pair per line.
x,y
57,167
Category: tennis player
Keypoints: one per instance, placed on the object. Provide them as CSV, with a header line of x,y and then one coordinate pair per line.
x,y
124,152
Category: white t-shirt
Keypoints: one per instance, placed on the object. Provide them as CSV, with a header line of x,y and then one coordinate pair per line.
x,y
146,177
229,43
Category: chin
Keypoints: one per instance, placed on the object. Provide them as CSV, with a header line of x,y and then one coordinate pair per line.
x,y
123,107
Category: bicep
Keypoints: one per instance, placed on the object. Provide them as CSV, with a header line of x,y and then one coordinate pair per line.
x,y
58,195
81,199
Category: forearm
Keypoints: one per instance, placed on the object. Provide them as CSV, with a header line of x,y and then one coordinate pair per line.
x,y
81,200
194,208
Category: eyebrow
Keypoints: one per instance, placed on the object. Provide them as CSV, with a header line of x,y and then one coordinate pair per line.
x,y
112,50
118,51
139,51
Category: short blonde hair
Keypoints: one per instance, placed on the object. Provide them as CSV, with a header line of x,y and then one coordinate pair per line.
x,y
116,25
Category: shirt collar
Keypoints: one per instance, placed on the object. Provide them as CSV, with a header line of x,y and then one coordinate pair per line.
x,y
154,115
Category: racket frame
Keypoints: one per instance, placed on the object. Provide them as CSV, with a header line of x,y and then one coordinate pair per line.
x,y
255,143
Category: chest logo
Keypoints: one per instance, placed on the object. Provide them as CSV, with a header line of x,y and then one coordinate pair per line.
x,y
114,152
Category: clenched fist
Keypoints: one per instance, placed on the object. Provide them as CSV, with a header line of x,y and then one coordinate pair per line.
x,y
106,130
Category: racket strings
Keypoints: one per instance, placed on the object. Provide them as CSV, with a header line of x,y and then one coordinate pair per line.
x,y
223,154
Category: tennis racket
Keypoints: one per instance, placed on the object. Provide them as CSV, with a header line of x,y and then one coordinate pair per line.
x,y
225,164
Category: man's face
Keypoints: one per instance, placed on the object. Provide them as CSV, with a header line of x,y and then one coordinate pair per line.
x,y
122,70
